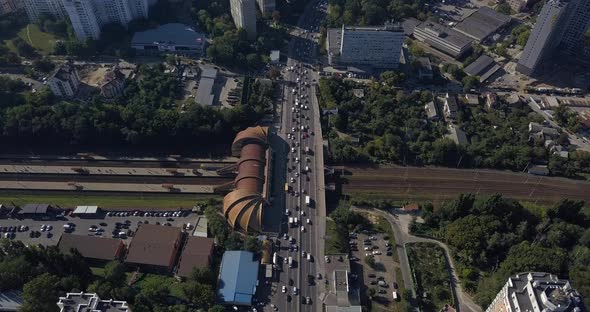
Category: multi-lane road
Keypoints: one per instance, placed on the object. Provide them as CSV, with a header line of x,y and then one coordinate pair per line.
x,y
301,253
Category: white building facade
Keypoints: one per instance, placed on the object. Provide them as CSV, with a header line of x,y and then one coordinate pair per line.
x,y
88,16
267,6
64,82
379,47
243,13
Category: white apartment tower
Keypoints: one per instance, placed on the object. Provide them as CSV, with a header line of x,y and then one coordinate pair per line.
x,y
64,81
88,16
244,14
378,47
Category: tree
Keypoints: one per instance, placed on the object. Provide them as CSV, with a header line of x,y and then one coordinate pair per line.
x,y
43,65
470,82
252,244
40,294
370,261
503,8
372,292
199,294
216,308
523,37
23,48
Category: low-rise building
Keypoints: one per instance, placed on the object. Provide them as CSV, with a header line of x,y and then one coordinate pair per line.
x,y
517,5
197,253
155,247
205,95
443,38
93,248
169,38
450,107
471,99
431,111
90,302
374,46
491,100
425,68
483,67
483,23
238,277
34,210
64,81
275,56
537,291
10,301
457,135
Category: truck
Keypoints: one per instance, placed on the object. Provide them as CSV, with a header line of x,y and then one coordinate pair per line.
x,y
307,200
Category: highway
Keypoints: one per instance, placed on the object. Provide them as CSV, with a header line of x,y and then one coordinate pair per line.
x,y
296,289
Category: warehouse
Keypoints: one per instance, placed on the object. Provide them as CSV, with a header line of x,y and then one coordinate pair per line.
x,y
482,24
238,277
175,38
443,38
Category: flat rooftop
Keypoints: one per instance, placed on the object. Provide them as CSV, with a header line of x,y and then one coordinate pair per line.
x,y
174,33
482,23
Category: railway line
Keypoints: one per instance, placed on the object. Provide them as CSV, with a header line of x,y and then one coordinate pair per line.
x,y
164,163
116,179
444,183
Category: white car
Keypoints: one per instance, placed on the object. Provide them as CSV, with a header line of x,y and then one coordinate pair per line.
x,y
376,252
302,212
284,289
295,291
302,228
308,221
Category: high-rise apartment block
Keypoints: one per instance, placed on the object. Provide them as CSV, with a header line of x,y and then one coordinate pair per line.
x,y
88,16
267,6
244,14
9,6
560,27
64,81
378,47
537,292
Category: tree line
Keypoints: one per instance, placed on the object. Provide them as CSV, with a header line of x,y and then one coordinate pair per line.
x,y
493,238
147,114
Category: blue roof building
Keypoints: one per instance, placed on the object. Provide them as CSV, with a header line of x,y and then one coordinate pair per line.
x,y
238,278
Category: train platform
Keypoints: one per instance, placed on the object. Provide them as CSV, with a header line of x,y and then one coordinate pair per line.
x,y
110,171
107,187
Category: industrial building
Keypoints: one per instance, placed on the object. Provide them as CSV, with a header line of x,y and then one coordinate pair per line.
x,y
93,248
88,16
443,38
243,13
536,291
64,81
90,302
197,253
378,47
484,67
238,277
243,207
169,38
482,24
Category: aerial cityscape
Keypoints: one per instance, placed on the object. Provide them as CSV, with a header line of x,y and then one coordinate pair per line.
x,y
295,155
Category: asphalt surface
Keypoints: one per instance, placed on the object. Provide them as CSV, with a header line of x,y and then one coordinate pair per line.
x,y
302,52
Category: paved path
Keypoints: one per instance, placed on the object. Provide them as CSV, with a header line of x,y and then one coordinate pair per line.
x,y
402,237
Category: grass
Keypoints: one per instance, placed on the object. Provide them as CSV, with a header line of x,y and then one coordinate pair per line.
x,y
106,200
41,41
332,243
429,268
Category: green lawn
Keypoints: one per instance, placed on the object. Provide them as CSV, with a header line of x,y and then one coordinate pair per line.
x,y
332,243
41,41
106,200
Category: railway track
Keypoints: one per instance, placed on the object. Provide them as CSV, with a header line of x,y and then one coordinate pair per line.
x,y
117,163
116,179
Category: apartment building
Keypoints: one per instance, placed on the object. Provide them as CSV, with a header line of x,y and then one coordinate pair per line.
x,y
378,47
537,292
64,81
560,27
243,13
90,302
517,5
88,16
443,38
267,6
9,6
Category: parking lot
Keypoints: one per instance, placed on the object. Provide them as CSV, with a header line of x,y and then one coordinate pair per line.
x,y
104,225
381,276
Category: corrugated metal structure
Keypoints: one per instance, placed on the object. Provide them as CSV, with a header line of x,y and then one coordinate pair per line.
x,y
238,278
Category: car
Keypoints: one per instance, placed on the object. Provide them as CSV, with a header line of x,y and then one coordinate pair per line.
x,y
372,275
288,298
389,253
303,254
381,278
307,300
6,235
302,228
368,254
284,289
373,282
308,221
285,236
291,282
382,291
395,286
327,259
376,252
285,260
295,290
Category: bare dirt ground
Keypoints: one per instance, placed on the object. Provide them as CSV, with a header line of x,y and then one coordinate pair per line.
x,y
446,183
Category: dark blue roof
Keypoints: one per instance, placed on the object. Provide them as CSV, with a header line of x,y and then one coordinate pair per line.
x,y
238,277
